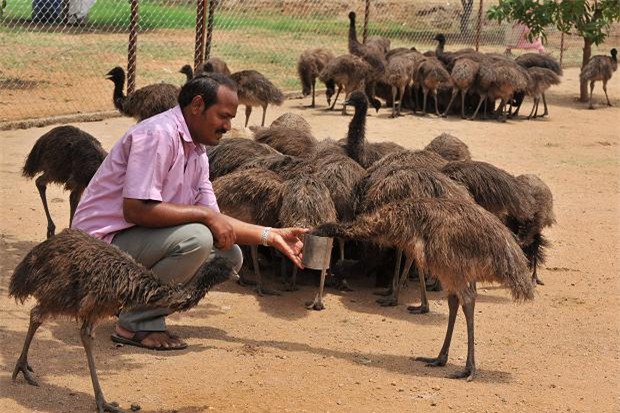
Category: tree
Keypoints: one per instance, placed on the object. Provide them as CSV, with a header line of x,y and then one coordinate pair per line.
x,y
589,19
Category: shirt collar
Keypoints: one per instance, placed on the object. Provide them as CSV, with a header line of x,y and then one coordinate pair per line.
x,y
177,113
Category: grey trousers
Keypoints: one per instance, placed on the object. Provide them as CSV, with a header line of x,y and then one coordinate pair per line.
x,y
174,254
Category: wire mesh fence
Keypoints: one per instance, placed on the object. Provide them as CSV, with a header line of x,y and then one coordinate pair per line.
x,y
54,54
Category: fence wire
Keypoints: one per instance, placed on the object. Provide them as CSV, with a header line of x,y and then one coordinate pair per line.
x,y
54,54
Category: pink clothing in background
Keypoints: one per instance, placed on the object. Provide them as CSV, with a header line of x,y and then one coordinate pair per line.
x,y
519,39
155,160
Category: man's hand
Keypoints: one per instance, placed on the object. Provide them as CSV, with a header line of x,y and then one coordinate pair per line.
x,y
222,230
288,242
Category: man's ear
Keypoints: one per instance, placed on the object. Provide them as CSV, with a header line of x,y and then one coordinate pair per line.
x,y
197,104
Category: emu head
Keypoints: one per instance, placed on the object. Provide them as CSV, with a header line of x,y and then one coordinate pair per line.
x,y
116,75
440,37
357,99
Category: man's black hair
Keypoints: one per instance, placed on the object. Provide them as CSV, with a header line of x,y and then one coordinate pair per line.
x,y
205,85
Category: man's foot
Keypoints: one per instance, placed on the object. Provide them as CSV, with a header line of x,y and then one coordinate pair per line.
x,y
153,340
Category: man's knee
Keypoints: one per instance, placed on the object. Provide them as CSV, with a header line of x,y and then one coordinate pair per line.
x,y
196,240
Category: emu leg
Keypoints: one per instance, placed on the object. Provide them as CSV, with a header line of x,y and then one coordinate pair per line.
x,y
102,405
500,112
292,285
455,91
336,98
36,319
591,89
317,304
394,102
436,103
313,86
402,97
532,111
546,112
425,92
264,114
260,289
397,283
482,99
463,94
390,290
423,308
41,183
74,199
534,265
248,111
605,89
470,365
442,358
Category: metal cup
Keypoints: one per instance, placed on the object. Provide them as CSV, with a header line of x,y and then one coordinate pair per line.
x,y
317,252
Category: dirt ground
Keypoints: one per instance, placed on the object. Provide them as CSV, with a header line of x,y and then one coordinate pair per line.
x,y
559,353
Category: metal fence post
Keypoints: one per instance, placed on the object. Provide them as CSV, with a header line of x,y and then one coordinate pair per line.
x,y
366,16
199,45
212,6
561,48
133,46
479,25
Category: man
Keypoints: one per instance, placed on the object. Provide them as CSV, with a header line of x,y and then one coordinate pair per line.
x,y
152,198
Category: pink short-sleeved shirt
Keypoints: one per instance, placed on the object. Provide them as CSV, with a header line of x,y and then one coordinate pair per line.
x,y
155,160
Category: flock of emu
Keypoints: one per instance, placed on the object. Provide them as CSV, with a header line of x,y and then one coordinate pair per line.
x,y
460,221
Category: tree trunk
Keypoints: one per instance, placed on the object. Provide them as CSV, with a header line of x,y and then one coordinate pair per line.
x,y
587,53
468,6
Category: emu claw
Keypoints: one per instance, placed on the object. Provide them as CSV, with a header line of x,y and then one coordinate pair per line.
x,y
27,371
468,374
418,309
433,361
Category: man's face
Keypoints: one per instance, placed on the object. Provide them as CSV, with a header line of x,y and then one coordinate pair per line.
x,y
210,125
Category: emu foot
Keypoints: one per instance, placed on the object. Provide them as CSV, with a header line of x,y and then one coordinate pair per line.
x,y
418,309
536,280
104,406
591,107
289,287
389,301
316,305
468,373
439,361
25,368
384,293
244,282
51,230
263,291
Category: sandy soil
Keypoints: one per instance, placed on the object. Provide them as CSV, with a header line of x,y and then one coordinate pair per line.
x,y
249,354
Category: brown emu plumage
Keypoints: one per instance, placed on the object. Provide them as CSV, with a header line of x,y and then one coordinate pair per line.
x,y
463,76
293,121
494,189
254,89
254,196
310,64
449,147
398,74
211,65
306,202
430,74
408,159
540,79
349,71
457,241
73,274
286,166
231,153
600,67
68,156
530,233
289,141
144,102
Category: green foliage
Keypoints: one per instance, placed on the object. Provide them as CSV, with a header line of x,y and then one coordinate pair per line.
x,y
591,20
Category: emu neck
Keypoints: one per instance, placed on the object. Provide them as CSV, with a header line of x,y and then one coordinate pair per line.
x,y
439,48
356,136
353,42
118,97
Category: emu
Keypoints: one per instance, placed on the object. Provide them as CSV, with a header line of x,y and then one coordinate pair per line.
x,y
74,274
64,155
602,68
254,89
457,241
